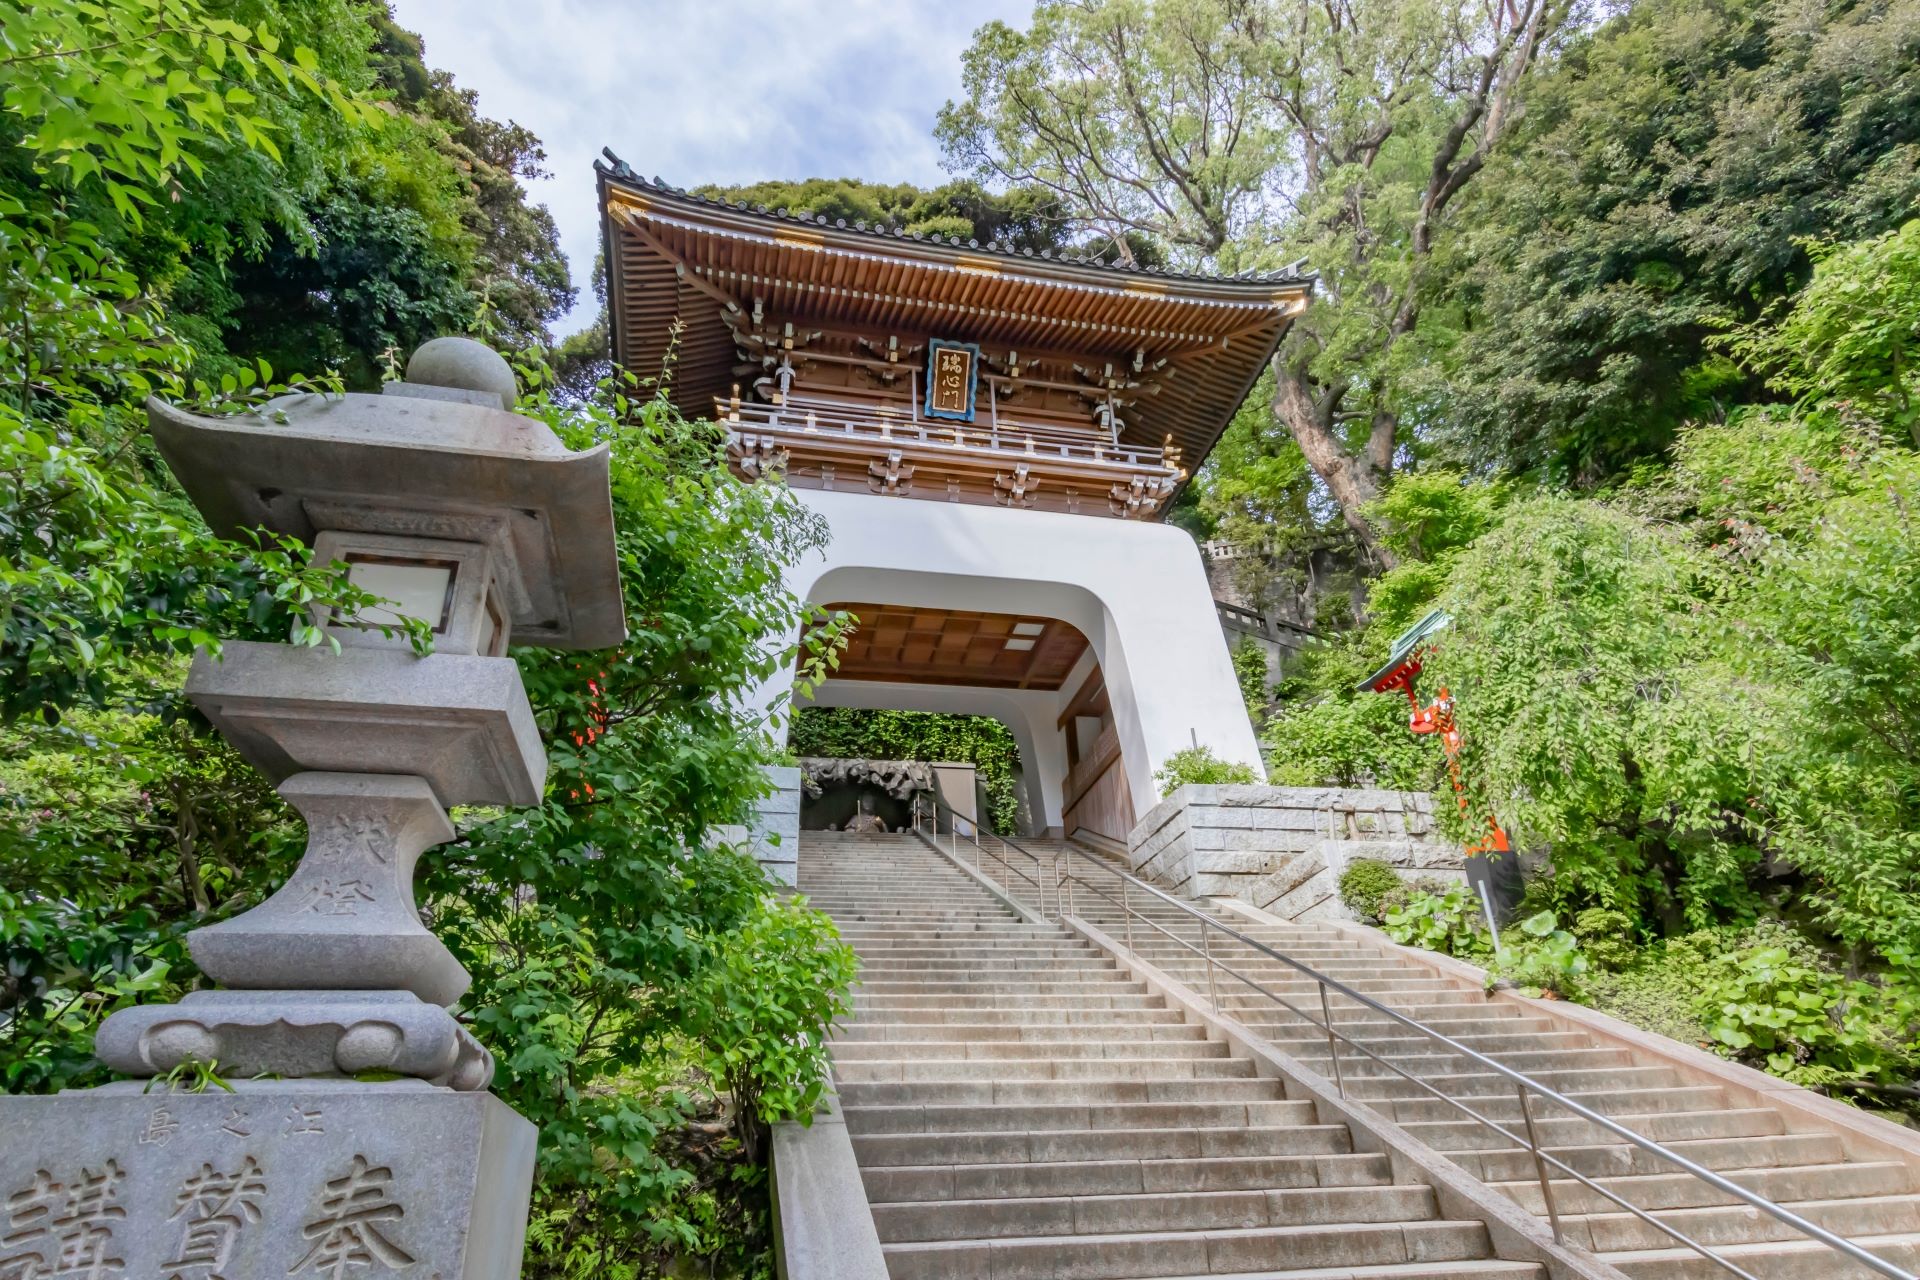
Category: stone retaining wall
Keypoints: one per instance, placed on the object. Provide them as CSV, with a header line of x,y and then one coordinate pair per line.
x,y
1283,848
774,833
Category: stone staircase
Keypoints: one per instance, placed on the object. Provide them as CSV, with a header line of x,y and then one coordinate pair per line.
x,y
1875,1203
1021,1109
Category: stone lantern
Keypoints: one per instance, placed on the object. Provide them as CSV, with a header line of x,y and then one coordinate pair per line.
x,y
359,1135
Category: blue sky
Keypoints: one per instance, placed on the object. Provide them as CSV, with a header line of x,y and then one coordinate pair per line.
x,y
724,91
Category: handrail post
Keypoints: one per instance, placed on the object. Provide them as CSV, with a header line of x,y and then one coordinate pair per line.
x,y
1126,912
1333,1042
1206,951
1540,1164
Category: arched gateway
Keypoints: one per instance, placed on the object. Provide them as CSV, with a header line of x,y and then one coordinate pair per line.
x,y
993,437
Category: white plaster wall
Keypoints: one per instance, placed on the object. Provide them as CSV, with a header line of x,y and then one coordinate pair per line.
x,y
1137,591
1029,713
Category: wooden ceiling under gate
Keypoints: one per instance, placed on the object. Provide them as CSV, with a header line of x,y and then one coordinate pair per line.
x,y
904,645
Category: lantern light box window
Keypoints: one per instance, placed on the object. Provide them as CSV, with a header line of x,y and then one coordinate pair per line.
x,y
451,586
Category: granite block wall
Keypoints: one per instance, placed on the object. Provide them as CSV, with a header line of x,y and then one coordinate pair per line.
x,y
1283,848
774,833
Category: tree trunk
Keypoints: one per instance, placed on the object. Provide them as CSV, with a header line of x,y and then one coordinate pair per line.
x,y
1353,480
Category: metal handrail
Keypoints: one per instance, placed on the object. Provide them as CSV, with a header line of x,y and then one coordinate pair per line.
x,y
1038,879
1524,1085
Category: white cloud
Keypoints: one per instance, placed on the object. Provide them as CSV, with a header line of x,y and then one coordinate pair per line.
x,y
717,92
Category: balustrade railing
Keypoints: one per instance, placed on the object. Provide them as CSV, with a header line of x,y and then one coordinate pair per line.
x,y
1008,441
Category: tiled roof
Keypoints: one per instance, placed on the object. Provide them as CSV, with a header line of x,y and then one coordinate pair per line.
x,y
619,170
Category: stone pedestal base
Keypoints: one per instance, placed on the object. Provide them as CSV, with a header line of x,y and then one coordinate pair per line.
x,y
296,1033
301,1178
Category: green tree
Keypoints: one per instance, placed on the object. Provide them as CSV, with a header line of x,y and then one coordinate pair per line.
x,y
607,934
1021,218
1250,135
1663,184
1853,333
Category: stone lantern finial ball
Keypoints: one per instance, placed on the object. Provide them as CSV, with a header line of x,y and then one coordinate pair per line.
x,y
464,364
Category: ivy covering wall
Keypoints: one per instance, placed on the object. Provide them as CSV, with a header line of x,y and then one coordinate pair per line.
x,y
981,741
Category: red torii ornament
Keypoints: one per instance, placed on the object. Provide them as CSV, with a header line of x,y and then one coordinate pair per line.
x,y
1398,675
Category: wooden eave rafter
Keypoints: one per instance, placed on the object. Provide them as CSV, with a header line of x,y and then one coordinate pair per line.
x,y
676,264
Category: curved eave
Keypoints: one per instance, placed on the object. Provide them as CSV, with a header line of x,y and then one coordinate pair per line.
x,y
676,260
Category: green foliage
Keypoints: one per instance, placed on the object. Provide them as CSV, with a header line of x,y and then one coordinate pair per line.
x,y
1607,937
985,743
1807,1023
123,97
1250,670
190,1076
1347,739
1426,519
1664,183
1580,666
1199,766
1447,921
635,940
1657,994
1364,886
1025,217
761,1012
1539,956
1854,331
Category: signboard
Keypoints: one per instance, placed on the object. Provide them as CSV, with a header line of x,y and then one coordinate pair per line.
x,y
953,375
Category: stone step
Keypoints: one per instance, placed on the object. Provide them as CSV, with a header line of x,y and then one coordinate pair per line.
x,y
1021,1107
958,1219
1771,1260
1121,1177
1473,1269
1062,1092
1718,1225
1614,1159
1144,1254
1468,1085
1181,1142
1468,1135
1782,1185
1425,1065
891,1114
1115,982
874,1036
1087,998
1491,1044
1014,1070
891,1021
1057,1046
1506,1107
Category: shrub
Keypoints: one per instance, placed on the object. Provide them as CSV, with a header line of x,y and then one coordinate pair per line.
x,y
1198,766
1807,1023
1364,886
1657,995
1606,937
1540,956
1447,922
1348,739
